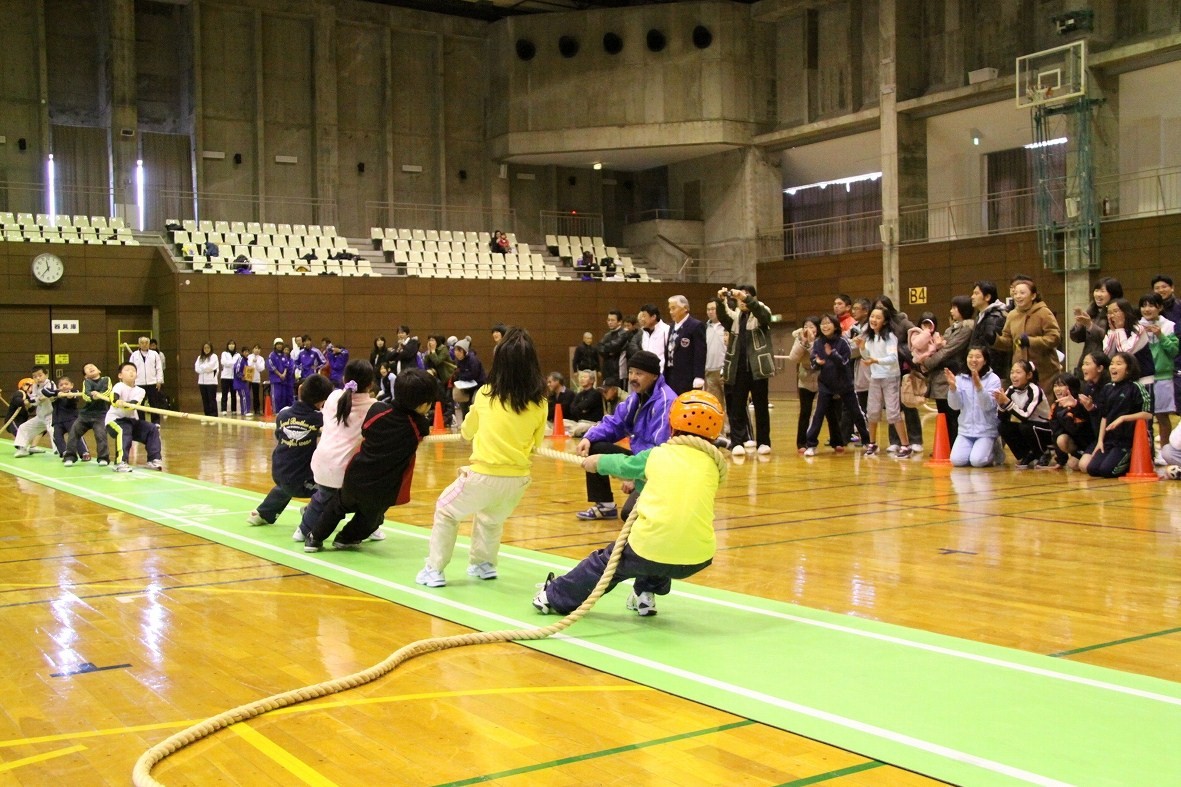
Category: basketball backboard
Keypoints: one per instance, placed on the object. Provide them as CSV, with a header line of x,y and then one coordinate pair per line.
x,y
1052,75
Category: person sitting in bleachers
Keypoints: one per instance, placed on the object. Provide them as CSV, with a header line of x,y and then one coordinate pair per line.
x,y
500,243
242,265
211,249
587,268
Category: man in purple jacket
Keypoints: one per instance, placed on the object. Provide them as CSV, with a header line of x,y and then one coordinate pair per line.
x,y
642,418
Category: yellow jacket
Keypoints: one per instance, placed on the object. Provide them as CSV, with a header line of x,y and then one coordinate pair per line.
x,y
675,511
503,441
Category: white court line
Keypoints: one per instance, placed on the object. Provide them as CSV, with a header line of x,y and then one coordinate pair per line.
x,y
816,713
893,640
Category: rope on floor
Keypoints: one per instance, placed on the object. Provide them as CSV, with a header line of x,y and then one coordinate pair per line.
x,y
142,773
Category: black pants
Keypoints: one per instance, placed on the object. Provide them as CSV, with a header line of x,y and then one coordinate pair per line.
x,y
208,398
88,421
278,498
1026,440
256,397
1112,463
229,400
155,399
599,486
825,407
746,385
835,430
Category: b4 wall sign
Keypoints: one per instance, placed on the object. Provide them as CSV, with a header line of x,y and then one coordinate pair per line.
x,y
63,326
918,295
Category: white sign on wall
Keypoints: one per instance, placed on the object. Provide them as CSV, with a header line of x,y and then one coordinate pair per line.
x,y
64,326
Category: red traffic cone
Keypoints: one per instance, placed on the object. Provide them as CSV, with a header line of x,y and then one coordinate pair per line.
x,y
559,432
1141,469
268,410
438,427
942,455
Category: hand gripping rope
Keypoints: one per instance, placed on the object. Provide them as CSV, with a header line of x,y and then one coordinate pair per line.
x,y
141,775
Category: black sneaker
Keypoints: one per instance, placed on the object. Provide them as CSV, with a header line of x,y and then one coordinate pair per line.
x,y
338,544
310,544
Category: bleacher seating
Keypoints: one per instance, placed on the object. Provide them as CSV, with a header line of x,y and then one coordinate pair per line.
x,y
43,228
464,254
278,249
569,248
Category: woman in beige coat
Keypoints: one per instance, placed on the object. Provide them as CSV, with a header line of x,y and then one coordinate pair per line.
x,y
1031,332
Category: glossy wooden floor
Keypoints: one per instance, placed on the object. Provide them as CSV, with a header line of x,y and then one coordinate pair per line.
x,y
1049,562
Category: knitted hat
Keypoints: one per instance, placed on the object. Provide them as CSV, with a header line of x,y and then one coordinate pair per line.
x,y
645,361
612,382
278,340
451,340
464,344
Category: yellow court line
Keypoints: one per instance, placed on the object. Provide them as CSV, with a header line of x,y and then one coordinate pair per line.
x,y
292,764
306,708
49,755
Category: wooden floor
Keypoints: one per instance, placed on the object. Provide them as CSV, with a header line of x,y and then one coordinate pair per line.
x,y
1050,562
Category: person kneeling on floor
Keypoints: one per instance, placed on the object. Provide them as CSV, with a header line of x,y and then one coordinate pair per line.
x,y
672,536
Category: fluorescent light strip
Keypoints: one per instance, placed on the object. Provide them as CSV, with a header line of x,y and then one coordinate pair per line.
x,y
49,171
139,191
846,182
1046,144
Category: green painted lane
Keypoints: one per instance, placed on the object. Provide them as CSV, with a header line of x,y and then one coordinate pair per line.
x,y
956,710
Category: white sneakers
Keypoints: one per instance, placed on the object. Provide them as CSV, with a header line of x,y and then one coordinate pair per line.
x,y
430,577
738,451
643,604
809,452
764,449
377,535
254,520
483,570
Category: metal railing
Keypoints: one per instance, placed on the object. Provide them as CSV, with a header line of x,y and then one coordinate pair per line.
x,y
1124,196
166,204
406,215
658,214
562,222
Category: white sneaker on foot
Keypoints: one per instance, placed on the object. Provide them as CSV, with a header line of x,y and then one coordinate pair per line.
x,y
541,600
764,449
430,577
809,452
916,448
255,519
377,535
737,451
483,570
643,604
749,444
122,467
298,535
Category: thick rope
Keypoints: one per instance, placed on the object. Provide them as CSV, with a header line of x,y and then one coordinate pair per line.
x,y
142,776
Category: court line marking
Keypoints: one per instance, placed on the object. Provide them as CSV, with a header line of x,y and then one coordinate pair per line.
x,y
757,696
285,759
343,703
888,638
36,758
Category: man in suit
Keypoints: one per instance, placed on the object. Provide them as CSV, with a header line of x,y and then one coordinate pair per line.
x,y
684,360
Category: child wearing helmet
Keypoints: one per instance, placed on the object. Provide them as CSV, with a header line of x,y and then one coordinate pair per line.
x,y
672,535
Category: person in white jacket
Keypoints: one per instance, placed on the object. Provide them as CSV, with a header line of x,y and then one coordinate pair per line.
x,y
206,367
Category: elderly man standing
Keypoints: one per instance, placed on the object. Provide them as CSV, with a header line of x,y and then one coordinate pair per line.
x,y
684,360
642,418
149,371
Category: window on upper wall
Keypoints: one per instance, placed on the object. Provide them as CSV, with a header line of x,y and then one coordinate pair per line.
x,y
834,216
1012,200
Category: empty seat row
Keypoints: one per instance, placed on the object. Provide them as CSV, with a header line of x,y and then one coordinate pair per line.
x,y
580,241
252,228
29,221
388,244
92,235
381,233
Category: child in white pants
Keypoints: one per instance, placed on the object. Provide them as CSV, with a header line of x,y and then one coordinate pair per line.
x,y
506,423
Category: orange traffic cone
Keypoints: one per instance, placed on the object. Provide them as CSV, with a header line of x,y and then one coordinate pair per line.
x,y
268,410
559,432
1141,469
942,455
438,427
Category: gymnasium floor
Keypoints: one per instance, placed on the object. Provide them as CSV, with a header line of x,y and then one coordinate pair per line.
x,y
979,627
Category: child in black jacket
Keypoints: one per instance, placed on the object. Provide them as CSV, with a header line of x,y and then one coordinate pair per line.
x,y
379,474
297,430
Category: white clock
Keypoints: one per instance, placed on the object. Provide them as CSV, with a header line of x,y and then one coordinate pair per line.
x,y
48,268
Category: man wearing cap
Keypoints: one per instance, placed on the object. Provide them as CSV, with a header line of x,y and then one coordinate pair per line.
x,y
642,418
281,367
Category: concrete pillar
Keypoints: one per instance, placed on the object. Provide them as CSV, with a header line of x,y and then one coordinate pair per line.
x,y
326,131
260,120
123,116
758,202
903,138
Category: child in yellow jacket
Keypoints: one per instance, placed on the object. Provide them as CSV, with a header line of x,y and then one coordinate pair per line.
x,y
672,536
